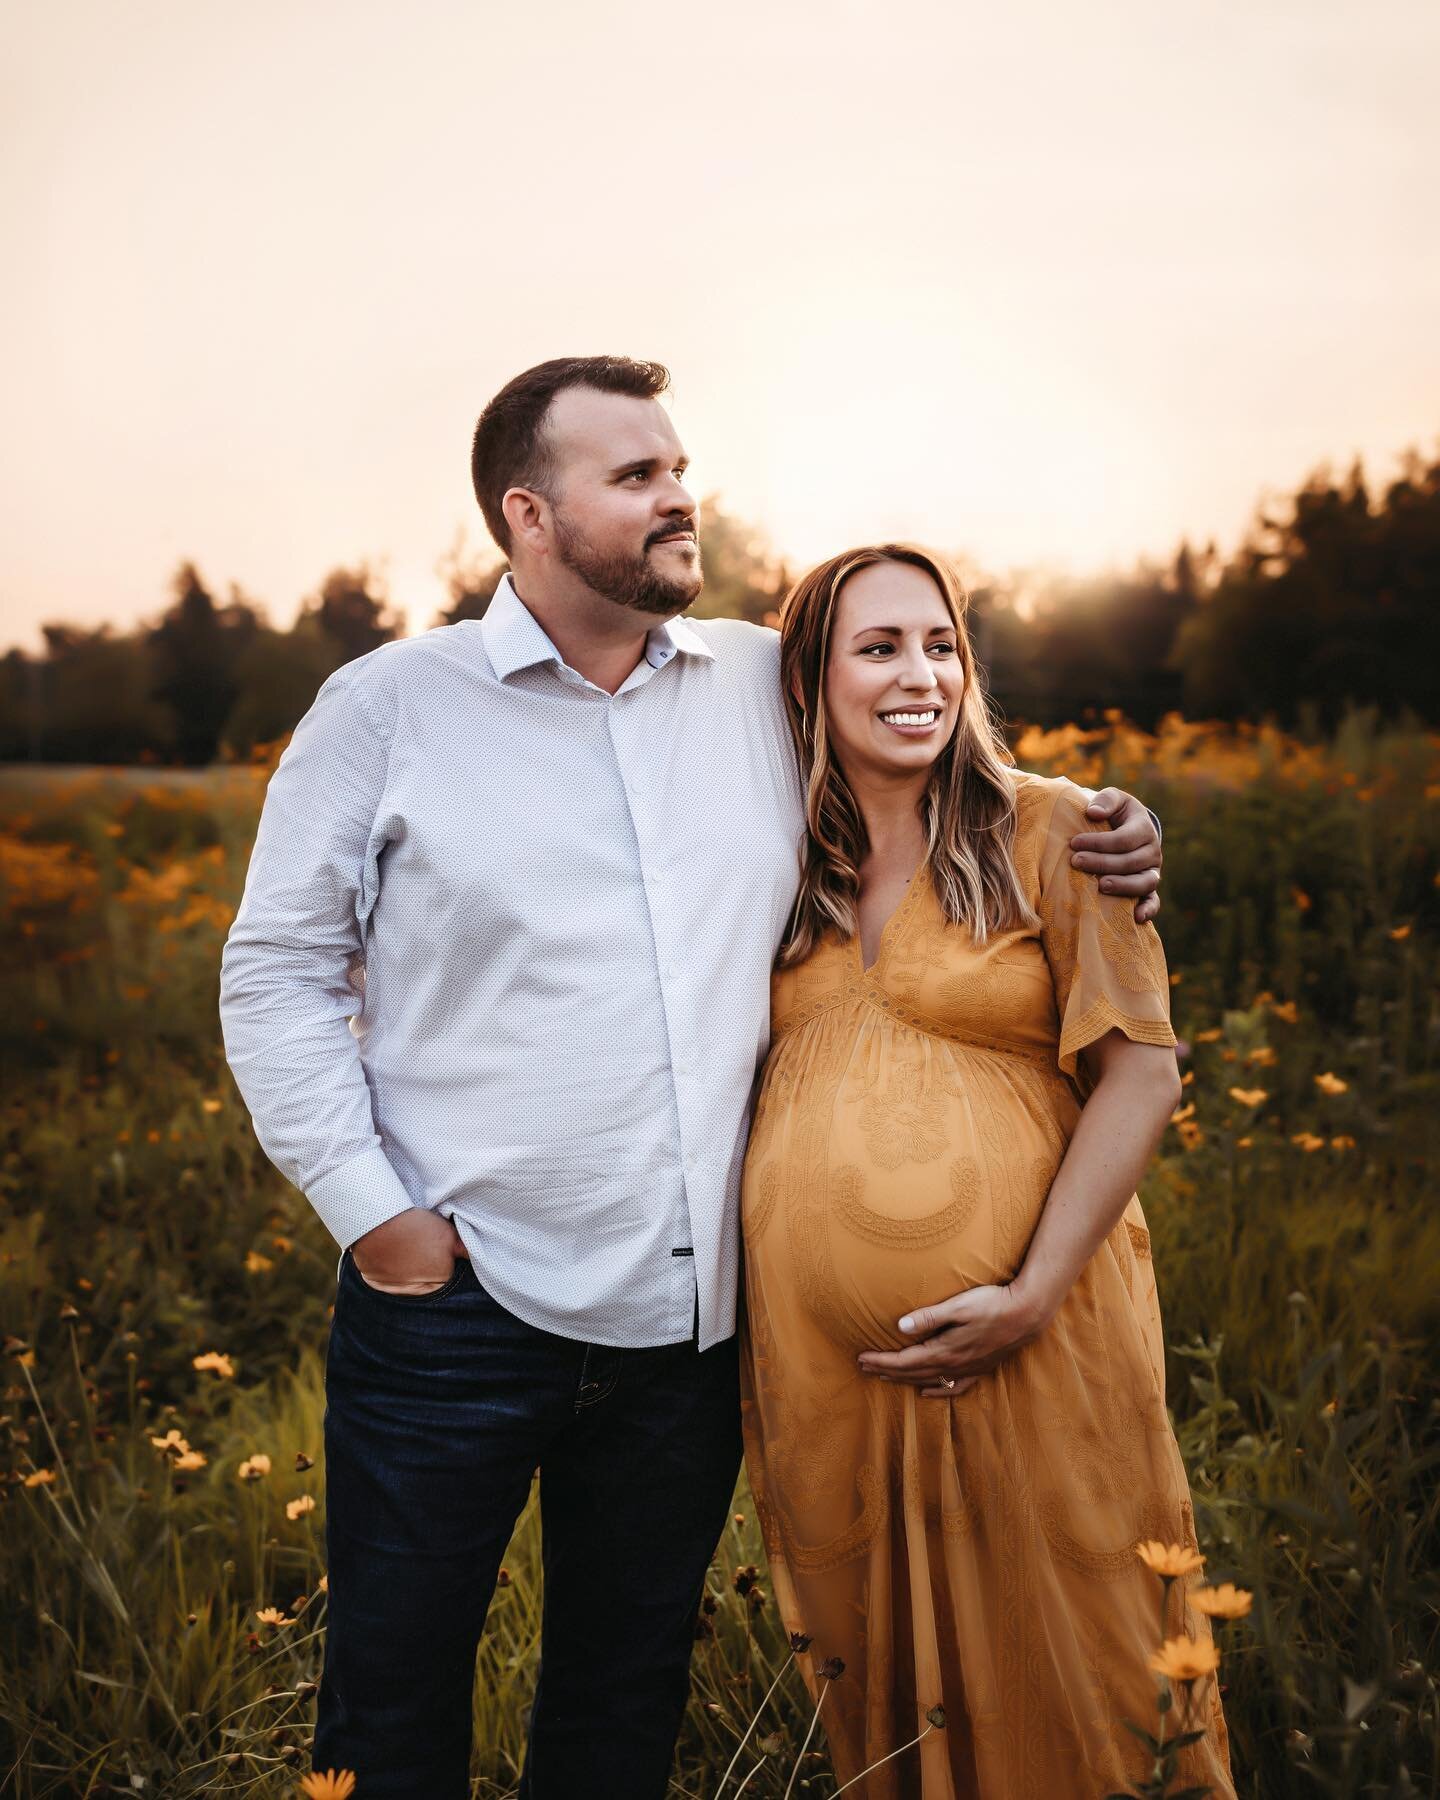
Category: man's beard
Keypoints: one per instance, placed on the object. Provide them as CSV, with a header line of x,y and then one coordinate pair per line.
x,y
631,581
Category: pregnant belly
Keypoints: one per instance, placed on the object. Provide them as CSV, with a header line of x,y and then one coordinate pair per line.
x,y
857,1243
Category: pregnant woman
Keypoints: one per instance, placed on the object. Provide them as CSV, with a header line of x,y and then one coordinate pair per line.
x,y
971,1064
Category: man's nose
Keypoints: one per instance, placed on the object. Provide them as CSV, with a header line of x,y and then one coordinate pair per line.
x,y
678,498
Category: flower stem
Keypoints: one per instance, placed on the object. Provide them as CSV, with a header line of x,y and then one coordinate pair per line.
x,y
794,1773
755,1720
871,1768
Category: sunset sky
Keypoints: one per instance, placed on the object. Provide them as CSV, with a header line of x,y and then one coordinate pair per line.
x,y
1038,282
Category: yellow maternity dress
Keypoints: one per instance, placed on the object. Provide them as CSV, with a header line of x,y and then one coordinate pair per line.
x,y
976,1553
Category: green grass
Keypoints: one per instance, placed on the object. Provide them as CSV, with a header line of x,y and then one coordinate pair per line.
x,y
140,1226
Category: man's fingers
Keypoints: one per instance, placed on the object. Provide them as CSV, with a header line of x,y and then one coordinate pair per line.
x,y
1114,861
1145,882
1107,802
1146,909
1135,834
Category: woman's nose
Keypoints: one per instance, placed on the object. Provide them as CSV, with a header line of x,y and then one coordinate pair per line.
x,y
915,672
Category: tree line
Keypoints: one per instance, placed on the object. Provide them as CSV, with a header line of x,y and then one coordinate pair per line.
x,y
1332,600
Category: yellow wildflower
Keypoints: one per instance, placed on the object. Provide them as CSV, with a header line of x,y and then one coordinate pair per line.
x,y
334,1784
256,1264
1301,899
1243,1143
1331,1084
172,1444
1249,1096
1223,1602
1182,1113
324,1584
1286,1010
254,1466
1263,1058
1169,1560
1308,1141
295,1509
1342,1142
1400,933
39,1478
1182,1659
1191,1136
190,1460
216,1360
211,1106
1209,1037
271,1615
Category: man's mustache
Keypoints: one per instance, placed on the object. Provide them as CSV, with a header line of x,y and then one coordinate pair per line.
x,y
673,531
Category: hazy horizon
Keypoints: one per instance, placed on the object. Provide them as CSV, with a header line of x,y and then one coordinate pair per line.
x,y
1040,288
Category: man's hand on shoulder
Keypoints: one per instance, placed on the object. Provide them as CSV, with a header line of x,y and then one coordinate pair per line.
x,y
1126,858
413,1253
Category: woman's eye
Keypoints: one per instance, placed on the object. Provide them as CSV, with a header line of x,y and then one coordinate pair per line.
x,y
948,649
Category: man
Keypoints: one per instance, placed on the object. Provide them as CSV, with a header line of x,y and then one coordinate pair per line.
x,y
495,997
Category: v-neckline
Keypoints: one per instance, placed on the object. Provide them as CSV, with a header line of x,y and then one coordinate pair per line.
x,y
906,901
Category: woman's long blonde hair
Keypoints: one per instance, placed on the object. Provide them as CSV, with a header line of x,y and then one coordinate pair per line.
x,y
968,808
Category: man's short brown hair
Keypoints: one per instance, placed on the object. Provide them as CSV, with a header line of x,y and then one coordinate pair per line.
x,y
510,447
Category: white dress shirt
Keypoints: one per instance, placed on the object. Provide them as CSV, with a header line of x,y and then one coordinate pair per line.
x,y
504,952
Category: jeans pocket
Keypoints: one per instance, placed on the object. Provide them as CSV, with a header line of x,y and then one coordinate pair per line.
x,y
455,1281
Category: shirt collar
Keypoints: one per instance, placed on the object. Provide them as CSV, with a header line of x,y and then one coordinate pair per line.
x,y
515,639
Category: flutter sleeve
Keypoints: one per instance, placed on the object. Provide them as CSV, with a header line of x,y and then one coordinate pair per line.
x,y
1109,972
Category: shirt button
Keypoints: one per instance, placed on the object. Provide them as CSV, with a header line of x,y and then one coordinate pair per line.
x,y
672,971
690,1161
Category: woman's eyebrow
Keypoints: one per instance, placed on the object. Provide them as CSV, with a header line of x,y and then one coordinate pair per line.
x,y
899,630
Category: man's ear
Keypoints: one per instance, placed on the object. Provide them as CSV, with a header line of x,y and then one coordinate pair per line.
x,y
526,515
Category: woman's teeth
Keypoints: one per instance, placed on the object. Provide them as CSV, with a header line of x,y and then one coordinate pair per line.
x,y
927,717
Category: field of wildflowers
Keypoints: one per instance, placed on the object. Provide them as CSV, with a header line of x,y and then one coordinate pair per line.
x,y
163,1301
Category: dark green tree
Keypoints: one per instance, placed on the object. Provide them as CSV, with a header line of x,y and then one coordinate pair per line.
x,y
196,648
471,579
353,610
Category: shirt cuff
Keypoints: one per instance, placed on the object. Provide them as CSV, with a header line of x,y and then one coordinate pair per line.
x,y
358,1196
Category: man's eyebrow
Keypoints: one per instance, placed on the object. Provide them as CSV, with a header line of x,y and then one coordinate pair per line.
x,y
651,462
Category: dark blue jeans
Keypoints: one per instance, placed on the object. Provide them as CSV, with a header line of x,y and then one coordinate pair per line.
x,y
438,1412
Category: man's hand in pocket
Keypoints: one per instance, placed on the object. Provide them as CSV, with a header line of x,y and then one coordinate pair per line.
x,y
413,1253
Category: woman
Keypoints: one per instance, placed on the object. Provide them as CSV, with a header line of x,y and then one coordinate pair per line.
x,y
971,1064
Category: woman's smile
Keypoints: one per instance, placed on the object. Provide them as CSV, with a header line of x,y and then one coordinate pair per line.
x,y
912,721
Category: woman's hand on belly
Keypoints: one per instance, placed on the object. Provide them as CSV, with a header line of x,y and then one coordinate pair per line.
x,y
958,1341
